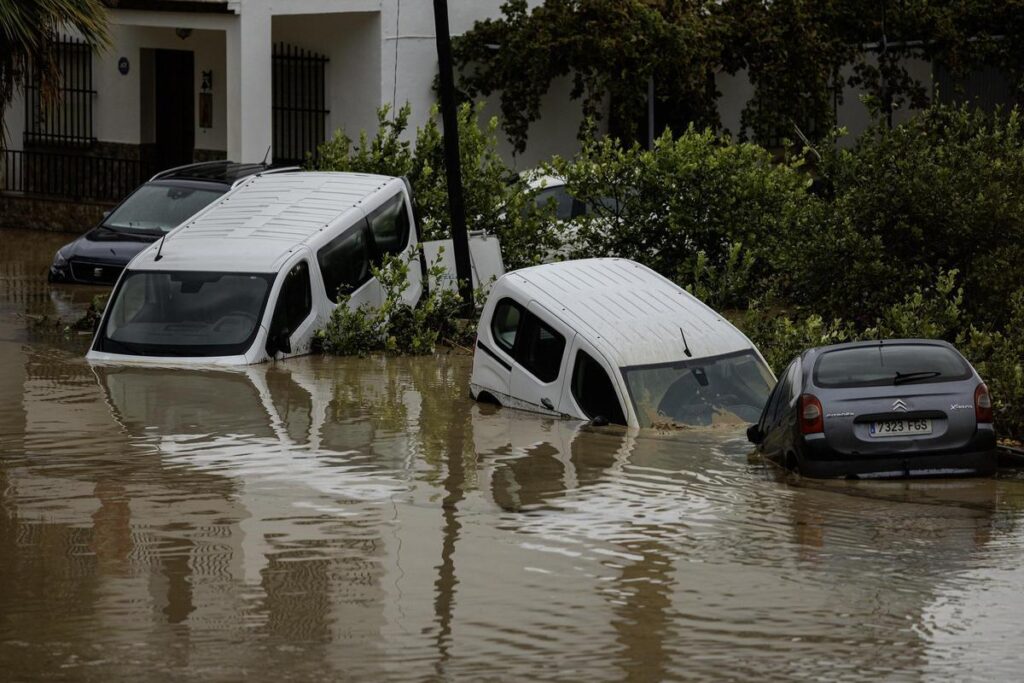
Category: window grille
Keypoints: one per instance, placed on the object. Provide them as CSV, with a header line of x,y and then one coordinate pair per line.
x,y
65,119
299,103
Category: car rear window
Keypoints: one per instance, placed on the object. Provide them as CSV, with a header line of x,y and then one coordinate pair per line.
x,y
159,207
889,364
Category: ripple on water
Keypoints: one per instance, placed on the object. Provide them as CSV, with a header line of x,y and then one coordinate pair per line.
x,y
361,518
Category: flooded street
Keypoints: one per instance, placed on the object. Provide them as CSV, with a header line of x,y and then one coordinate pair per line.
x,y
337,519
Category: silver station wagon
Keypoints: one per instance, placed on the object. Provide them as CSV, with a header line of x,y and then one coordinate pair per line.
x,y
894,408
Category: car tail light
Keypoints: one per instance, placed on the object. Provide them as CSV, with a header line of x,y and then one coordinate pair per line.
x,y
812,418
982,404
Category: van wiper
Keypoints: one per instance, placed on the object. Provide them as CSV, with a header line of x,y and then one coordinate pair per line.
x,y
902,378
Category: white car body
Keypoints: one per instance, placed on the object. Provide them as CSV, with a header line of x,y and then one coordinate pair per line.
x,y
269,226
619,313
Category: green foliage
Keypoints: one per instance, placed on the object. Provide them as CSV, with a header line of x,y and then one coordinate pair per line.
x,y
396,327
781,338
941,192
798,54
608,49
387,153
702,211
999,358
725,287
497,201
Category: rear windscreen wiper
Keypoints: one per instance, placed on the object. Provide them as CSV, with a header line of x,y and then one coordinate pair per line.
x,y
902,378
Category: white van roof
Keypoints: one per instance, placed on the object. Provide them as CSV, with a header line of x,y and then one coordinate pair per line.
x,y
254,227
631,313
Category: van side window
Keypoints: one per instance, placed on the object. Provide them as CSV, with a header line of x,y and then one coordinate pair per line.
x,y
532,343
593,390
539,348
345,261
505,324
390,226
294,302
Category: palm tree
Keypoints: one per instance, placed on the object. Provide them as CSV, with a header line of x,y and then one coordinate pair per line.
x,y
27,32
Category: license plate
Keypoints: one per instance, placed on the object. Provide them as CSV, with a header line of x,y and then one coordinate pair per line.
x,y
901,427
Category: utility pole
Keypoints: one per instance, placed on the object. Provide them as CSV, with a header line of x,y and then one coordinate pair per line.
x,y
449,118
650,112
882,56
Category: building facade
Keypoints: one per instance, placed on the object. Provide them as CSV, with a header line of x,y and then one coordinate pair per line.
x,y
246,80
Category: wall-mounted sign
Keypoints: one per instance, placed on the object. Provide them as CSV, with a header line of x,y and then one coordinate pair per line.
x,y
123,66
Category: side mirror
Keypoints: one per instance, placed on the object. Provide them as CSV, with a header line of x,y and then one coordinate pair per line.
x,y
754,434
282,341
599,421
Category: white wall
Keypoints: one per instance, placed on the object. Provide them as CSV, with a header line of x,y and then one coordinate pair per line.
x,y
854,116
408,30
351,41
14,122
736,90
117,114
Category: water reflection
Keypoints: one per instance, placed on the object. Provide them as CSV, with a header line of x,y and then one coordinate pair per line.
x,y
363,518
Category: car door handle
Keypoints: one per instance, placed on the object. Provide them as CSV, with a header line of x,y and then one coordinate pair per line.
x,y
546,402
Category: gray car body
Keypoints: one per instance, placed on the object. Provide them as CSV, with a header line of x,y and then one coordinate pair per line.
x,y
958,444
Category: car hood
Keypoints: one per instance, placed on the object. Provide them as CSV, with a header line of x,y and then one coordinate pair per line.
x,y
107,247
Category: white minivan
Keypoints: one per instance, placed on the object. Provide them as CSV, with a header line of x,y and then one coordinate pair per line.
x,y
610,340
253,276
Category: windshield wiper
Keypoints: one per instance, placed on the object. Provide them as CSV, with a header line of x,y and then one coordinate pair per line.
x,y
902,378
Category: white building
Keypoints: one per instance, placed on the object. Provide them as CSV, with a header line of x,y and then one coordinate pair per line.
x,y
192,80
199,79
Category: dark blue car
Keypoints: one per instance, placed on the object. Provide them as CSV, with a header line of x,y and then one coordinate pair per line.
x,y
163,203
893,408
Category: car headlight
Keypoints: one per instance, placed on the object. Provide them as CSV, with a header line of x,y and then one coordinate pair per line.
x,y
59,260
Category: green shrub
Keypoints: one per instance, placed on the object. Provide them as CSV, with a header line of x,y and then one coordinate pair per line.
x,y
918,232
999,359
780,338
702,211
396,327
497,200
938,193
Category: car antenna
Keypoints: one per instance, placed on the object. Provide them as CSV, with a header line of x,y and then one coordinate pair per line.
x,y
266,156
159,248
686,347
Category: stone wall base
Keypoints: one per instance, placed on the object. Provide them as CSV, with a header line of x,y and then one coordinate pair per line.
x,y
55,215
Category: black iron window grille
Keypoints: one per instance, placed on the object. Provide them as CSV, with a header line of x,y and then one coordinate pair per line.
x,y
66,118
299,103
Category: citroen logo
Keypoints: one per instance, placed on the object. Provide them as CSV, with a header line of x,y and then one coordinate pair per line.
x,y
898,404
97,272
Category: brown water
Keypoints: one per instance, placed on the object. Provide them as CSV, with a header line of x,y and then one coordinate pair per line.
x,y
326,519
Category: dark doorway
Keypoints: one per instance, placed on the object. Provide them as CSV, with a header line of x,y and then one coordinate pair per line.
x,y
174,115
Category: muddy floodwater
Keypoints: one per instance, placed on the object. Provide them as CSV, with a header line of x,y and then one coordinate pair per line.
x,y
363,519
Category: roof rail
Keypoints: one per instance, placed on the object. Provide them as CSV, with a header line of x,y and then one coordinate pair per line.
x,y
169,171
266,171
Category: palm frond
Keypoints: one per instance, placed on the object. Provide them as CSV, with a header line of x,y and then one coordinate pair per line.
x,y
28,29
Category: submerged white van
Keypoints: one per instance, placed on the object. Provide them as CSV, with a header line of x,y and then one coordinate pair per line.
x,y
610,340
255,274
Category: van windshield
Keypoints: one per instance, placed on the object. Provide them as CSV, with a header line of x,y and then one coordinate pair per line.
x,y
185,313
727,389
